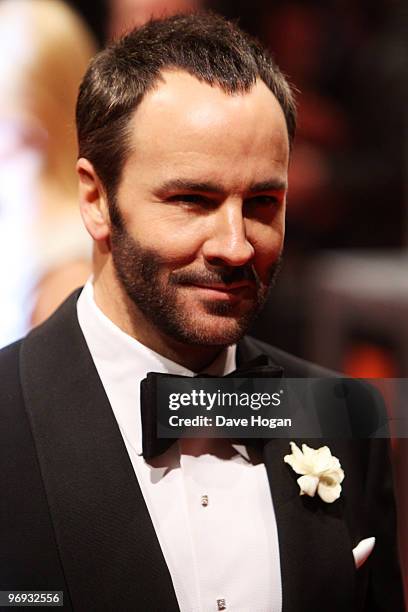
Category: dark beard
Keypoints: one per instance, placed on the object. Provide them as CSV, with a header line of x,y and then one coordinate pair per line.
x,y
138,270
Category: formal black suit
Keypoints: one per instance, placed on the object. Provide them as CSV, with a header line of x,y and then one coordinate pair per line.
x,y
73,517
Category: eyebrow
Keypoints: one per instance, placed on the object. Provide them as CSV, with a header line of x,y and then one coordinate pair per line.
x,y
216,188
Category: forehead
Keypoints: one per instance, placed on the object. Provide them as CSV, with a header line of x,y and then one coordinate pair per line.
x,y
199,130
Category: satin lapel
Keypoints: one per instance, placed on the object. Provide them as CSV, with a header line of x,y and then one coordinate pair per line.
x,y
246,351
316,559
315,547
108,547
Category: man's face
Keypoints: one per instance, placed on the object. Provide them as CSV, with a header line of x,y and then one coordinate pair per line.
x,y
201,208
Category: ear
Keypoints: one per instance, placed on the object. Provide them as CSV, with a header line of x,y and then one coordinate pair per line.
x,y
92,201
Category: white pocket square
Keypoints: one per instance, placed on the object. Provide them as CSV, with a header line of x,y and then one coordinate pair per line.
x,y
362,551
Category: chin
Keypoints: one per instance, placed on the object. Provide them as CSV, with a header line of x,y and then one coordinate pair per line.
x,y
222,331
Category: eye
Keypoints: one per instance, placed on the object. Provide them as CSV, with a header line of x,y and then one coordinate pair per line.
x,y
263,200
191,199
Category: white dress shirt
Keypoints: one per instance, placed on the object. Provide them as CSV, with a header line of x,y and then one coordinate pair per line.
x,y
209,501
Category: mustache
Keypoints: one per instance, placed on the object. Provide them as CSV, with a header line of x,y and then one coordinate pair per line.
x,y
223,275
226,276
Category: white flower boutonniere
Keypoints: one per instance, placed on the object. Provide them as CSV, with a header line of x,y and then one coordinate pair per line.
x,y
319,470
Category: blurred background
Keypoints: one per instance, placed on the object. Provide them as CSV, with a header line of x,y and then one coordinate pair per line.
x,y
342,296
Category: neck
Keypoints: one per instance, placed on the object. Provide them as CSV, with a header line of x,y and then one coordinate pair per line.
x,y
116,305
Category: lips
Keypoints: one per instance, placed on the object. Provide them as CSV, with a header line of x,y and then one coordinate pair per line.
x,y
221,291
225,287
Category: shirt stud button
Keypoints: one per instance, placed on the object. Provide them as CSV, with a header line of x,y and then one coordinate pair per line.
x,y
222,604
204,502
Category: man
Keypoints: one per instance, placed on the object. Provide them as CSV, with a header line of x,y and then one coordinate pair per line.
x,y
184,132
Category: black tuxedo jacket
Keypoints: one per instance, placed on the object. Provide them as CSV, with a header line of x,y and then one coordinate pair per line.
x,y
73,518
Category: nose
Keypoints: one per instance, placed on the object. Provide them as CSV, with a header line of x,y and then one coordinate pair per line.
x,y
228,243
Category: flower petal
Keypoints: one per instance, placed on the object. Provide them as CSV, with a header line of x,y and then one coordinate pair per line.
x,y
307,451
320,471
296,460
327,493
308,485
332,476
296,450
323,460
295,464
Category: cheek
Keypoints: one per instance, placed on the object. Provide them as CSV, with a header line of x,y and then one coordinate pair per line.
x,y
268,241
175,240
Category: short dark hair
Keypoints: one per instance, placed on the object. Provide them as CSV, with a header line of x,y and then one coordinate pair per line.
x,y
203,44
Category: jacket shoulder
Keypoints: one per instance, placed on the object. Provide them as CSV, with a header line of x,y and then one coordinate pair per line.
x,y
360,401
28,556
9,373
12,411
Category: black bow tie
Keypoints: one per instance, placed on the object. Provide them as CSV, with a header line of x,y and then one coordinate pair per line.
x,y
260,367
